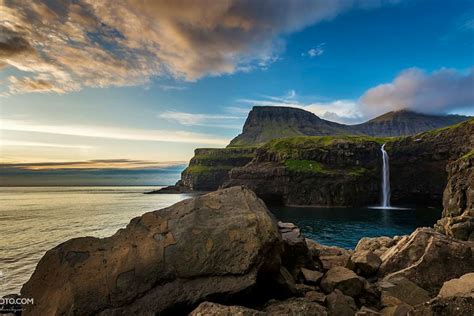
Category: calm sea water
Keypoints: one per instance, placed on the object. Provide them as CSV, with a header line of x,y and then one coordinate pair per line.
x,y
35,219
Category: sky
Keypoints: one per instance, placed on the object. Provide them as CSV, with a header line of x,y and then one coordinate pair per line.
x,y
122,92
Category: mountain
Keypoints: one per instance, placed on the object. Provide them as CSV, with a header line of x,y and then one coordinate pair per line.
x,y
265,123
405,122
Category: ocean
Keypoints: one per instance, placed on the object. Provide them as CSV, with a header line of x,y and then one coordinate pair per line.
x,y
35,219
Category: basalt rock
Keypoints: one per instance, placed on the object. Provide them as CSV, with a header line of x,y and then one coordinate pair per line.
x,y
295,306
365,262
218,245
458,200
378,245
428,258
208,308
344,280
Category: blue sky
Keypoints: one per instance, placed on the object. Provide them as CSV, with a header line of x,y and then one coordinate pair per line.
x,y
102,90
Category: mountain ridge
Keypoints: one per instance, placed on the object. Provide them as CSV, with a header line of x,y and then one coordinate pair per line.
x,y
265,123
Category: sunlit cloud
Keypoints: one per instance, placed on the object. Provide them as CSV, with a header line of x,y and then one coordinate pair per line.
x,y
17,143
62,46
113,132
94,164
199,119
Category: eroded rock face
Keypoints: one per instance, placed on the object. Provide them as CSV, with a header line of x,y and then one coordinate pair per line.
x,y
458,200
365,262
211,245
427,258
378,245
344,280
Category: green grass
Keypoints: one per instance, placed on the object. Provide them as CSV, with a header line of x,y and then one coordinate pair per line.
x,y
310,166
442,129
206,169
291,145
468,155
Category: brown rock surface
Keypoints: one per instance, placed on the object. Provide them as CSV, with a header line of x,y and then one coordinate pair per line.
x,y
400,290
344,280
365,262
295,307
211,245
208,308
464,286
340,304
428,258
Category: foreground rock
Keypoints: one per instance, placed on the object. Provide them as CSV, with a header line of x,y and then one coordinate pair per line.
x,y
344,280
213,245
428,258
464,286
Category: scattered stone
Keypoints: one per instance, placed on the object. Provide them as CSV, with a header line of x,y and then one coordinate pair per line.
x,y
365,262
295,253
464,286
365,311
302,289
211,245
400,290
311,276
340,304
295,306
344,280
428,258
208,308
314,296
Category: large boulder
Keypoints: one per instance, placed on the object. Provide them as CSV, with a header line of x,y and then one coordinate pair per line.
x,y
399,290
213,245
340,304
344,280
428,258
378,245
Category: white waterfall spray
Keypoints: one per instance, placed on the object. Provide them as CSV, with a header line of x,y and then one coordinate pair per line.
x,y
385,179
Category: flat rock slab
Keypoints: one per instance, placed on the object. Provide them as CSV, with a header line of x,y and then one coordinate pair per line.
x,y
311,276
344,280
400,290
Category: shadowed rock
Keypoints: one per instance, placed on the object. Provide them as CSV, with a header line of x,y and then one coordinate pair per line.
x,y
428,258
212,245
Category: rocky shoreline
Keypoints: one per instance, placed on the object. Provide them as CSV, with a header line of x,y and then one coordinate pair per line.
x,y
224,253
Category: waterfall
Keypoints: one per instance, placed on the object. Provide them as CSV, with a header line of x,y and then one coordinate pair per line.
x,y
385,179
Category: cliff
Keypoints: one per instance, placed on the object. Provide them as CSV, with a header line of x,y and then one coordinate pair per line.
x,y
458,200
315,170
345,170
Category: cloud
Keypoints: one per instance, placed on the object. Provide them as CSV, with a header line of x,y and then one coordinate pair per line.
x,y
315,51
6,143
113,132
442,91
342,111
94,164
198,119
63,46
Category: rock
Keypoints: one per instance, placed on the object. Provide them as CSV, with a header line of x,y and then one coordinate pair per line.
x,y
365,262
286,283
295,307
329,262
398,310
302,289
378,245
344,280
340,304
448,306
208,308
400,290
314,296
311,276
464,286
458,200
428,258
295,249
211,245
365,311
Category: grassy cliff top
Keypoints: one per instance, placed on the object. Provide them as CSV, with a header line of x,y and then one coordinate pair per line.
x,y
308,142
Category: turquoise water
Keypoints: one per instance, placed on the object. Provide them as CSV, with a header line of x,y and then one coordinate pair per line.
x,y
35,219
344,227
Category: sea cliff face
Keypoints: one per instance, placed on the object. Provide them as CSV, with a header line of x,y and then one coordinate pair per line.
x,y
335,171
209,168
345,170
